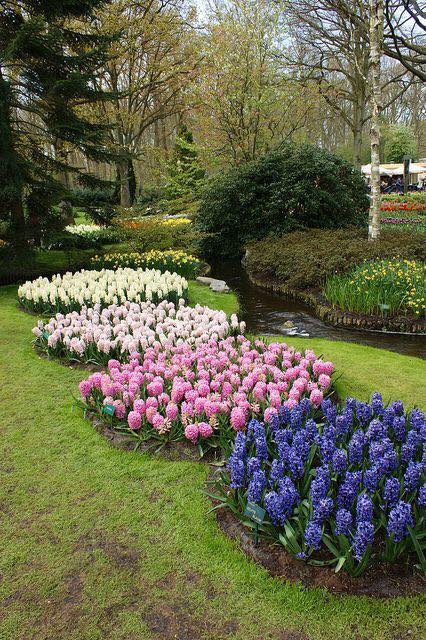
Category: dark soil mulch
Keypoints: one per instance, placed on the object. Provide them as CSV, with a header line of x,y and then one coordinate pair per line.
x,y
378,581
172,451
71,364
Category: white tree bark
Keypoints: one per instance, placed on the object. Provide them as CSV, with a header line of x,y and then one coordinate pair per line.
x,y
376,39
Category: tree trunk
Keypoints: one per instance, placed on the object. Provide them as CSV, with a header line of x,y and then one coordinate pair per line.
x,y
123,174
376,36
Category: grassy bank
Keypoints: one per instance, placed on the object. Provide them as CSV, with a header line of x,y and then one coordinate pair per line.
x,y
99,543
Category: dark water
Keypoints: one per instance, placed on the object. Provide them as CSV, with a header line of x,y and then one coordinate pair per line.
x,y
266,312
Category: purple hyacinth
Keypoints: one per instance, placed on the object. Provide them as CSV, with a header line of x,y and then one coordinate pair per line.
x,y
320,485
343,522
313,535
398,407
363,413
301,445
256,486
391,491
417,419
284,414
356,447
296,418
253,465
376,430
343,424
327,448
412,476
398,427
240,446
284,450
364,536
399,520
350,404
348,489
311,430
236,470
305,406
274,423
283,435
372,477
295,464
276,472
339,461
408,449
364,508
323,509
279,504
377,403
261,446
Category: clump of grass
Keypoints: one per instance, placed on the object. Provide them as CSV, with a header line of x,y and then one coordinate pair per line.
x,y
398,284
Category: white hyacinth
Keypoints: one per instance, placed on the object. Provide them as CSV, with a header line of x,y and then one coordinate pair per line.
x,y
73,290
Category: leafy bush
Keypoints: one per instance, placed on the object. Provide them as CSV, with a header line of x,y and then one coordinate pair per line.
x,y
297,187
303,259
399,284
174,261
151,233
338,488
98,203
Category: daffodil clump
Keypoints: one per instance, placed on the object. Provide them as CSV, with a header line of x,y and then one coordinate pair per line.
x,y
174,261
381,287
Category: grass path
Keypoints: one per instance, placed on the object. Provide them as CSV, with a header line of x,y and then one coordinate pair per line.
x,y
98,543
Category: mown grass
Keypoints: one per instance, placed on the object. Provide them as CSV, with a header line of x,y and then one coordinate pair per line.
x,y
99,543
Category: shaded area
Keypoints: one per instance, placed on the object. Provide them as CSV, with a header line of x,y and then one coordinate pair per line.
x,y
266,312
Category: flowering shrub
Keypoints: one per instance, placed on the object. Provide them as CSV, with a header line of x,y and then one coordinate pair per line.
x,y
174,261
400,284
72,291
96,335
336,489
207,393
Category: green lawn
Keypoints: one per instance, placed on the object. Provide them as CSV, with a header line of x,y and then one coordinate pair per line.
x,y
99,543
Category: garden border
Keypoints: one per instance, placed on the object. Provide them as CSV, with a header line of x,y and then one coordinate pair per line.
x,y
337,317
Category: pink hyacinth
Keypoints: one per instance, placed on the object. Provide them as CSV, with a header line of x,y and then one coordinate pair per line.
x,y
172,411
205,429
316,397
191,433
139,406
269,412
134,420
238,418
85,387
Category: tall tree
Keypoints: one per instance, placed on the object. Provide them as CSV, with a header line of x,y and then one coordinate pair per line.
x,y
247,105
376,42
47,64
405,35
331,48
151,65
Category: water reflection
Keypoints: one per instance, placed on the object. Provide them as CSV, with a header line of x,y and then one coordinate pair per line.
x,y
266,312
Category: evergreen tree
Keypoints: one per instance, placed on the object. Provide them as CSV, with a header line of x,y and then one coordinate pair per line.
x,y
47,64
186,173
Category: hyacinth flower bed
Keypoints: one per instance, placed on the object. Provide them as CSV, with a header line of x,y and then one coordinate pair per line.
x,y
72,291
95,335
174,261
343,489
206,394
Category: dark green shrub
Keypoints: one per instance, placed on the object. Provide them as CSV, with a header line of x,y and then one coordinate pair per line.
x,y
304,259
297,187
97,203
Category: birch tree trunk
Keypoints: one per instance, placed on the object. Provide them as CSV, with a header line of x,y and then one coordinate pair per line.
x,y
376,37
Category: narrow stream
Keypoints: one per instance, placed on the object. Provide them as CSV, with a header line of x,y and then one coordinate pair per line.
x,y
266,312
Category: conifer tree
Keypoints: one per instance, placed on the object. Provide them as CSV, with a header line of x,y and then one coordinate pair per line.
x,y
186,173
48,59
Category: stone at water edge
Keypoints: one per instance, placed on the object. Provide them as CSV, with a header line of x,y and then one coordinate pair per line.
x,y
219,286
288,324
